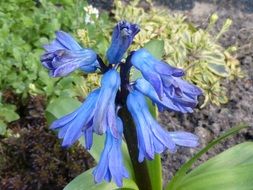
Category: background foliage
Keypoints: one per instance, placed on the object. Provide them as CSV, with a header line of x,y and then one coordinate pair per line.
x,y
27,25
185,46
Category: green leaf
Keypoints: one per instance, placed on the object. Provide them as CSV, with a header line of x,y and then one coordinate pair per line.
x,y
227,159
218,69
230,170
2,128
85,181
186,167
7,112
155,172
155,47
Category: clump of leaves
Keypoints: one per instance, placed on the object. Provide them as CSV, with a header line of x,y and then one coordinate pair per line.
x,y
7,114
185,46
25,26
35,160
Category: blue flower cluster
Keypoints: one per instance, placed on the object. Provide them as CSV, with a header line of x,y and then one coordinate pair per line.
x,y
160,82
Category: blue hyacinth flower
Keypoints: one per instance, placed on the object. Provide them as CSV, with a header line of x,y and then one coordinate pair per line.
x,y
97,114
183,102
122,37
174,93
110,166
154,71
78,123
64,55
152,138
104,115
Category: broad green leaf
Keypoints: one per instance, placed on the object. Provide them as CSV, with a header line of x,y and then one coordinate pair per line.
x,y
85,181
238,155
186,167
230,170
234,178
155,47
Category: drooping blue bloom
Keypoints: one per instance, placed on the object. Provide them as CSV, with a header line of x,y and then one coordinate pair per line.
x,y
97,113
110,166
174,93
162,83
64,55
152,138
183,102
122,37
104,115
79,122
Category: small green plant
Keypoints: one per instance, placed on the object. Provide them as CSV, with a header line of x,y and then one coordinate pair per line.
x,y
24,27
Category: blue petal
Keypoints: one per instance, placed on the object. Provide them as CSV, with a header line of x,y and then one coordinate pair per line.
x,y
166,81
142,61
88,136
90,68
152,138
62,41
184,138
122,37
110,166
147,89
54,46
64,55
166,69
67,41
72,125
105,107
187,87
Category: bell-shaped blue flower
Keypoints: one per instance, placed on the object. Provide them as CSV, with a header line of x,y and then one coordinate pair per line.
x,y
104,115
110,166
152,138
122,37
64,55
97,113
183,101
173,92
79,122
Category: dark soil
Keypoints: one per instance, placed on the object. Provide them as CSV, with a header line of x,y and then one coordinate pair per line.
x,y
33,159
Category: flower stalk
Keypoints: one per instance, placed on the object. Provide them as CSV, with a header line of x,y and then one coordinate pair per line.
x,y
141,173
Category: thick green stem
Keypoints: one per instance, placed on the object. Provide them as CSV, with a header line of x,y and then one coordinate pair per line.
x,y
140,169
